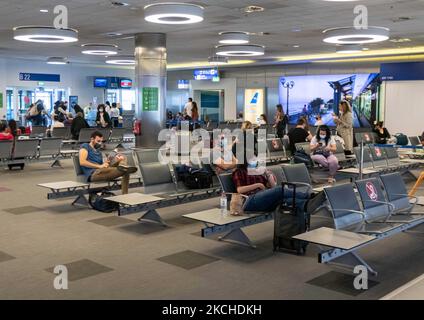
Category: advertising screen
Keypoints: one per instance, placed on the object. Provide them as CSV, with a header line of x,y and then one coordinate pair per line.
x,y
100,82
126,83
320,94
254,104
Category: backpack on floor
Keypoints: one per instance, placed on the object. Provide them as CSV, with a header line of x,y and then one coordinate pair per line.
x,y
98,201
290,219
300,156
402,140
198,179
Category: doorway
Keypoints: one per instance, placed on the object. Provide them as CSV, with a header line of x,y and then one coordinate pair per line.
x,y
210,104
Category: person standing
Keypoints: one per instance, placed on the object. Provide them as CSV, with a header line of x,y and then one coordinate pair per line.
x,y
280,121
188,108
194,112
114,115
344,125
102,118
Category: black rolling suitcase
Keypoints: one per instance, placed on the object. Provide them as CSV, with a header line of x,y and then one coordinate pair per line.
x,y
290,219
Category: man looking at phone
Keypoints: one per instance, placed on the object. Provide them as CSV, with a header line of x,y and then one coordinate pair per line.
x,y
97,170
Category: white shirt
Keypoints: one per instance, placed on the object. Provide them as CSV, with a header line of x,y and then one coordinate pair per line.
x,y
188,108
57,124
114,113
331,142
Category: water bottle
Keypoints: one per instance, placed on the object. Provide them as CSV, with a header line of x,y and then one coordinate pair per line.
x,y
223,204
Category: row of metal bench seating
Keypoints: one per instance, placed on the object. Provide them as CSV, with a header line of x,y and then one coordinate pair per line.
x,y
32,150
109,134
371,138
362,214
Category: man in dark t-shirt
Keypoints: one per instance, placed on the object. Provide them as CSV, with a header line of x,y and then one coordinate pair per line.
x,y
299,134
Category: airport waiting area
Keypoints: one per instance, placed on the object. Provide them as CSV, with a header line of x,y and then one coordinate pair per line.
x,y
131,168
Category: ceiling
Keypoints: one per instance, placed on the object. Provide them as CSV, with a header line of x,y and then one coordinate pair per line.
x,y
286,23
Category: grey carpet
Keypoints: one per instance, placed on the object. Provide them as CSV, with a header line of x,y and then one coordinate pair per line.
x,y
188,259
57,233
82,269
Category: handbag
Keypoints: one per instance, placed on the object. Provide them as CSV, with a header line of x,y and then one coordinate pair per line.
x,y
236,204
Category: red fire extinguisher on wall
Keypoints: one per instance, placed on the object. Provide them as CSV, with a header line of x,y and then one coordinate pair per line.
x,y
137,127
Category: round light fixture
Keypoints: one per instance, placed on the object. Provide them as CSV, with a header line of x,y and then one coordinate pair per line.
x,y
236,37
250,50
351,35
173,13
121,60
44,34
349,48
217,60
99,49
57,60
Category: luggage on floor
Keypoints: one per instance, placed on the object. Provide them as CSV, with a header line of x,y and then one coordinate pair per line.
x,y
301,156
97,201
290,219
401,139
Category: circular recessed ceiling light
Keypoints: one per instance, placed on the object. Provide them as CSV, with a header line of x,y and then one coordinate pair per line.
x,y
121,60
349,48
351,35
236,37
44,34
217,60
99,49
57,60
173,13
250,50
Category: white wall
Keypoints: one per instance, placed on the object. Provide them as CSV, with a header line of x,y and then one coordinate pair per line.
x,y
76,78
404,111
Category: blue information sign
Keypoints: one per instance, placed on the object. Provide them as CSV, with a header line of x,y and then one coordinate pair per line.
x,y
402,71
39,77
206,74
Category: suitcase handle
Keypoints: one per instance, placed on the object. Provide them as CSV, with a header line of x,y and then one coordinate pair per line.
x,y
293,185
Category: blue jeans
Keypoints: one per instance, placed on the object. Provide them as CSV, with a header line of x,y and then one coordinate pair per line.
x,y
268,200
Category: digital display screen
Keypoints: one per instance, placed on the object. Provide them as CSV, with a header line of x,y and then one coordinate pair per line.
x,y
206,74
100,82
126,83
183,84
313,95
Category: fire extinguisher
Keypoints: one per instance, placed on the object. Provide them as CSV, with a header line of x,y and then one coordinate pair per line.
x,y
137,127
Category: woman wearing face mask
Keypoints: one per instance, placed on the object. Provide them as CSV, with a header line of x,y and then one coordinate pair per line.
x,y
323,146
345,125
260,187
103,118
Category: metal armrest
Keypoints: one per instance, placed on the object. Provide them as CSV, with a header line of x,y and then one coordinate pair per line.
x,y
352,211
406,195
392,208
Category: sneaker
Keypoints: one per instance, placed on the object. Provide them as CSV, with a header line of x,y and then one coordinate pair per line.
x,y
127,169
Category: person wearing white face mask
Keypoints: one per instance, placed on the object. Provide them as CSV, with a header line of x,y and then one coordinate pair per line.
x,y
323,146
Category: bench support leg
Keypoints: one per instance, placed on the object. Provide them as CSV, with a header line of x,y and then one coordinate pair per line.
x,y
56,163
152,216
237,236
82,201
351,260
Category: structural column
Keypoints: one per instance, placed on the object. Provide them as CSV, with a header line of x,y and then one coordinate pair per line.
x,y
150,76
